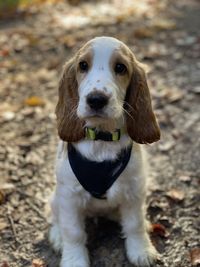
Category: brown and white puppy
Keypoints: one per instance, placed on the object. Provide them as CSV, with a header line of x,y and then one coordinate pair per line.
x,y
102,86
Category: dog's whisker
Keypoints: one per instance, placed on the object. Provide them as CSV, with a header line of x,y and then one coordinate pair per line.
x,y
128,113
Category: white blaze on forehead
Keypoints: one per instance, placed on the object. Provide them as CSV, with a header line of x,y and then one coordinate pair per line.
x,y
103,48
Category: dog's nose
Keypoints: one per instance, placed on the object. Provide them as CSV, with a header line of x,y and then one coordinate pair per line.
x,y
97,101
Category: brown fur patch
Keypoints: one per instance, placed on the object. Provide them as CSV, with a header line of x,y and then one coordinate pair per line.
x,y
141,122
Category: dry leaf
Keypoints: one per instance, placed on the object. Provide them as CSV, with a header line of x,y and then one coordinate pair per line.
x,y
143,33
69,41
172,94
159,229
7,186
21,78
2,197
44,75
176,195
4,264
8,9
196,90
7,115
164,147
164,24
3,225
120,18
4,52
195,256
4,189
34,101
185,178
38,263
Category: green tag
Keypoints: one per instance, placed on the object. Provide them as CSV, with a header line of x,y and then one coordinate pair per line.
x,y
90,133
115,136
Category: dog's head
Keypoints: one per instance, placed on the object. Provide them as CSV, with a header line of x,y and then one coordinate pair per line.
x,y
104,83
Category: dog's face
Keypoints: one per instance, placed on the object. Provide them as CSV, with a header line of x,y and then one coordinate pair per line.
x,y
104,72
103,83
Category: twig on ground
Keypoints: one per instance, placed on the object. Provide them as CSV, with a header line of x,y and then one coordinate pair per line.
x,y
12,224
36,210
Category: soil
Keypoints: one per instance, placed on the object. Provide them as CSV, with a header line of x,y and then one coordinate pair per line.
x,y
164,35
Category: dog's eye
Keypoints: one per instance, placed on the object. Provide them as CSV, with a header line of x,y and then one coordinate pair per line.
x,y
83,65
120,68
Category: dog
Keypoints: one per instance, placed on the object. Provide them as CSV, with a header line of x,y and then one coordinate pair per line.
x,y
104,113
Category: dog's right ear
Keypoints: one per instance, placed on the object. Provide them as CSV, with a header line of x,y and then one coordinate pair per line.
x,y
142,126
70,127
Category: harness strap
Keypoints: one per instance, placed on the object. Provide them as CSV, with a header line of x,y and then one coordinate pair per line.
x,y
97,177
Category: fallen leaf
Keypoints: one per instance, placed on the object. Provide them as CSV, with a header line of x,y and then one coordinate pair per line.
x,y
176,133
196,90
34,101
8,9
3,225
195,256
69,41
120,18
186,41
4,264
164,24
7,186
176,195
44,75
8,107
38,263
185,178
7,115
21,78
174,96
159,229
143,33
4,52
164,147
2,197
73,2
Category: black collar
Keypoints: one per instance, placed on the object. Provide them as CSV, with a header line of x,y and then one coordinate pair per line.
x,y
97,177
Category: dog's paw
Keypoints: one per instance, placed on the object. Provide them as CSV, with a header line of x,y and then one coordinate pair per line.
x,y
141,253
55,237
75,256
77,263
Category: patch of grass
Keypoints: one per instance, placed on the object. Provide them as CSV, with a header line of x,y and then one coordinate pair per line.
x,y
9,8
6,4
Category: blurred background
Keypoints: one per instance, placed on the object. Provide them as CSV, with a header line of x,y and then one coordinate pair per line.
x,y
36,38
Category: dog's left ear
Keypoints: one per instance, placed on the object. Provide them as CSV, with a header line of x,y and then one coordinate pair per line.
x,y
141,122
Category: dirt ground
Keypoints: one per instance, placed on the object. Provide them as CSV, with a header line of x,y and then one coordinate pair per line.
x,y
165,35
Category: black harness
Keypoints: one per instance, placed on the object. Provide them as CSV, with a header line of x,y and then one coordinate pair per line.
x,y
97,177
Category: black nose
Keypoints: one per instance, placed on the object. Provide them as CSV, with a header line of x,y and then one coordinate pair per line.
x,y
97,101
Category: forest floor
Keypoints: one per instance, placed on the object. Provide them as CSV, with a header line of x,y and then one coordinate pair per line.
x,y
164,35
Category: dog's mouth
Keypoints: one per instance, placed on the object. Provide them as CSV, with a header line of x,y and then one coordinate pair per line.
x,y
96,119
96,115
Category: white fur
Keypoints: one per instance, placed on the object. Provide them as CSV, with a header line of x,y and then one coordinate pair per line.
x,y
71,203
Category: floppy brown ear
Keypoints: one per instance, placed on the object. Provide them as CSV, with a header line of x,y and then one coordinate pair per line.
x,y
141,122
70,127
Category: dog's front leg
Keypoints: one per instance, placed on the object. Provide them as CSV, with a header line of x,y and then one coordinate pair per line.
x,y
71,223
139,249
